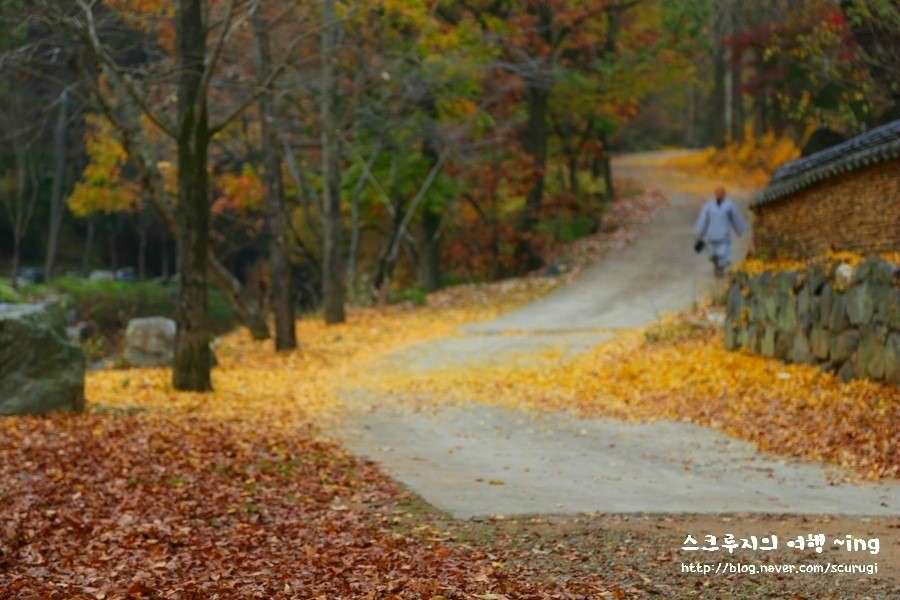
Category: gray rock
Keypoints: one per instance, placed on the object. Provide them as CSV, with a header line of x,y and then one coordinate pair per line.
x,y
859,304
753,339
894,319
735,303
846,373
804,302
732,337
863,270
786,281
837,321
40,371
741,338
801,351
150,342
882,296
102,276
869,358
825,300
757,312
843,345
883,272
770,305
892,359
819,342
843,276
787,316
815,309
783,343
767,346
816,279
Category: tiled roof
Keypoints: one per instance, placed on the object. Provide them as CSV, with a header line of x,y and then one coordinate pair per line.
x,y
874,146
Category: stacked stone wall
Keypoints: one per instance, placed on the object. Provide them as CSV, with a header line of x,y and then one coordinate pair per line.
x,y
844,319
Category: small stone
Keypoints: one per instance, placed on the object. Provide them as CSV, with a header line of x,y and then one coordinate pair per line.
x,y
757,312
767,347
846,373
825,300
892,359
837,321
801,352
732,337
859,304
883,272
819,343
783,343
770,304
843,345
815,309
863,270
150,342
753,339
886,300
843,276
816,279
869,359
804,303
735,303
785,281
787,316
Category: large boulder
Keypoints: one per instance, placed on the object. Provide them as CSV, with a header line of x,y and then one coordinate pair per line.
x,y
150,342
40,371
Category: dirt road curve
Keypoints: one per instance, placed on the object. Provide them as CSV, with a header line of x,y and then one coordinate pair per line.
x,y
479,460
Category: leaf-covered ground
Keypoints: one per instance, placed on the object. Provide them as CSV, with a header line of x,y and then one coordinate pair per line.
x,y
161,494
233,494
679,370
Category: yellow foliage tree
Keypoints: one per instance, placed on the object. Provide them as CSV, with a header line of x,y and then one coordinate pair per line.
x,y
102,187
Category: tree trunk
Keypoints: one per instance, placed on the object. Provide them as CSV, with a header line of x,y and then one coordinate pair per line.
x,y
56,194
333,290
140,153
14,274
737,98
192,354
88,245
572,166
537,96
719,104
280,266
142,244
430,250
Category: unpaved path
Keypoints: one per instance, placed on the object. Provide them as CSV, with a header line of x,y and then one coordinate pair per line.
x,y
485,460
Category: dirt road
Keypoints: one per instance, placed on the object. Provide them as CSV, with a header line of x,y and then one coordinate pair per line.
x,y
485,460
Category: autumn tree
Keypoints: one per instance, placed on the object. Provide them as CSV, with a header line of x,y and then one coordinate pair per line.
x,y
280,267
333,290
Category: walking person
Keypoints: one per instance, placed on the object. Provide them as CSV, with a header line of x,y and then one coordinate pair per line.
x,y
717,219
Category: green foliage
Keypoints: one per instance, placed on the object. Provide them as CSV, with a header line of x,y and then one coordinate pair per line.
x,y
8,294
111,304
413,294
567,228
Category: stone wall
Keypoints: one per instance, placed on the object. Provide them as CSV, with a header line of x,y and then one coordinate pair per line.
x,y
857,211
843,319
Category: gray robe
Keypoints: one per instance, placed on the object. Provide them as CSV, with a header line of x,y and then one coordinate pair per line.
x,y
715,224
